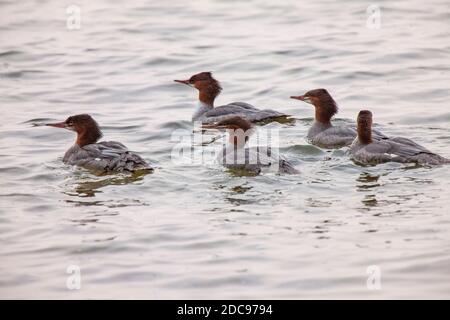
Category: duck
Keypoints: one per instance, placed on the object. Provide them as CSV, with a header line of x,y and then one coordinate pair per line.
x,y
237,156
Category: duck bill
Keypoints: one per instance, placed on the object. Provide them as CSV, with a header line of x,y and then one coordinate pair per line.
x,y
57,124
301,98
186,82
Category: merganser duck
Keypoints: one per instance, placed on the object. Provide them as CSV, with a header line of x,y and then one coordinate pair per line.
x,y
102,157
323,133
397,149
209,88
237,156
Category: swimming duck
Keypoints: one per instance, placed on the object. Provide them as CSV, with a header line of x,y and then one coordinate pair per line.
x,y
322,133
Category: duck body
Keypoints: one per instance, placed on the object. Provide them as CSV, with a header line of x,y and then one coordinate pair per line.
x,y
105,157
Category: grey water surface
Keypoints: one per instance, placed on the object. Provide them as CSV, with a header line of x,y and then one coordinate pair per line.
x,y
196,230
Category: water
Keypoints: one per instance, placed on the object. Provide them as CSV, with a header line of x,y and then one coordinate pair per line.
x,y
196,231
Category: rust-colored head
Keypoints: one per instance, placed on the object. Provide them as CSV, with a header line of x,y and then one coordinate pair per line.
x,y
239,128
84,125
208,87
365,126
325,105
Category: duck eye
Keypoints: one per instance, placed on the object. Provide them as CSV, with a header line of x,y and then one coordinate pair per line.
x,y
70,123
